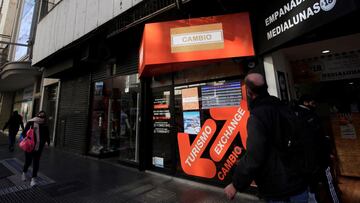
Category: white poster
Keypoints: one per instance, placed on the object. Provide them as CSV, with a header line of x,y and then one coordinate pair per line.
x,y
348,131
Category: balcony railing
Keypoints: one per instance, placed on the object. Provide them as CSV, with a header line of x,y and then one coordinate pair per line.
x,y
5,45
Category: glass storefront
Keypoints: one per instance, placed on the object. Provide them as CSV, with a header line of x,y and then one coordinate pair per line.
x,y
23,103
187,106
114,119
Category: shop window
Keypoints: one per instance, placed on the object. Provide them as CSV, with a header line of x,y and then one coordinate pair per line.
x,y
189,102
182,110
115,114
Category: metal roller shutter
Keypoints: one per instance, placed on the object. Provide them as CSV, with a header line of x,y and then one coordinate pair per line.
x,y
99,74
129,62
128,67
73,114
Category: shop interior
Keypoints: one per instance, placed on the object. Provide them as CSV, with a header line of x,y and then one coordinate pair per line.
x,y
114,123
329,71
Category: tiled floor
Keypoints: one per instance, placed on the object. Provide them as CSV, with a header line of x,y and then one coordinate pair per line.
x,y
350,189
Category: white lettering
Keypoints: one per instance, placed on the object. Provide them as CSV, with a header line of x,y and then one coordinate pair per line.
x,y
286,8
316,7
198,145
207,130
217,150
293,4
309,12
188,162
229,131
281,12
285,26
294,20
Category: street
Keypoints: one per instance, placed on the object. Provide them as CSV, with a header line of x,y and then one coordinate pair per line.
x,y
66,177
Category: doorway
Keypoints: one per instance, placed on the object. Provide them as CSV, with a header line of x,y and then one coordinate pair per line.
x,y
329,71
50,107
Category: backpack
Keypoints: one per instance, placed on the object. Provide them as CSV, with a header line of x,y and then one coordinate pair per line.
x,y
28,143
297,143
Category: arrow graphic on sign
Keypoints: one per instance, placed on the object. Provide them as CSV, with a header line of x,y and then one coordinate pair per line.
x,y
190,155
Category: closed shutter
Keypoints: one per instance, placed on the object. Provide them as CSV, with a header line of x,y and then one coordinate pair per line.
x,y
99,74
73,114
128,63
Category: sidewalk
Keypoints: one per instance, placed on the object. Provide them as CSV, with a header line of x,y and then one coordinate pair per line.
x,y
66,177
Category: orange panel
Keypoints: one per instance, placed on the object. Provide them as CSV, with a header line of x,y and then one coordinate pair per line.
x,y
166,44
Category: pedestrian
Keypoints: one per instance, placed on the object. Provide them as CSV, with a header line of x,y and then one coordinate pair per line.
x,y
262,161
321,151
14,122
41,137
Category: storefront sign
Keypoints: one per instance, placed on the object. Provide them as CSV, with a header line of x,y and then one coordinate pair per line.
x,y
215,140
188,41
333,67
190,154
194,38
283,21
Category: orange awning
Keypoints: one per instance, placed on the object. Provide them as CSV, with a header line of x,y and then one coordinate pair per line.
x,y
174,45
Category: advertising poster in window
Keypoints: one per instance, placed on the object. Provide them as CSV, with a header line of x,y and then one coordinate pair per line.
x,y
161,129
99,86
190,99
192,122
212,139
332,67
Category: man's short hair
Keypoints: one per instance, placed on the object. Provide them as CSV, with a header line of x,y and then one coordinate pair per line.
x,y
256,88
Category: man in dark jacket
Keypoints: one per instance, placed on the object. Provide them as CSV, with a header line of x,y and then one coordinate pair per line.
x,y
14,122
320,149
262,161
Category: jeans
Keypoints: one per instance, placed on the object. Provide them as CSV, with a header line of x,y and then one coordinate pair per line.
x,y
12,136
299,198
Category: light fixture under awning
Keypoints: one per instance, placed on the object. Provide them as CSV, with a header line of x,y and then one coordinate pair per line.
x,y
174,45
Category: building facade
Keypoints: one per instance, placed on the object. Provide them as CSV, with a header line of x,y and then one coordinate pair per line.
x,y
158,84
19,82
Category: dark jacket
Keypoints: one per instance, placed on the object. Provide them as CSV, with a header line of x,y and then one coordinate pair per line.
x,y
262,161
321,147
44,133
14,122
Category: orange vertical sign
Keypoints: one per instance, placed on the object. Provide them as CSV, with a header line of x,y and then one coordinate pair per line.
x,y
235,124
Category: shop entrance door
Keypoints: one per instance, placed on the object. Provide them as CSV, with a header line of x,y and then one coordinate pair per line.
x,y
164,137
50,107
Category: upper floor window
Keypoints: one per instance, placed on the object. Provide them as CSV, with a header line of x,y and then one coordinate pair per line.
x,y
24,28
47,6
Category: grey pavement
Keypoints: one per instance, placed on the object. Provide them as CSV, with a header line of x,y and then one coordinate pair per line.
x,y
67,177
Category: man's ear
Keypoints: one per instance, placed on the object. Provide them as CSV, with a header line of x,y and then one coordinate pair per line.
x,y
249,93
